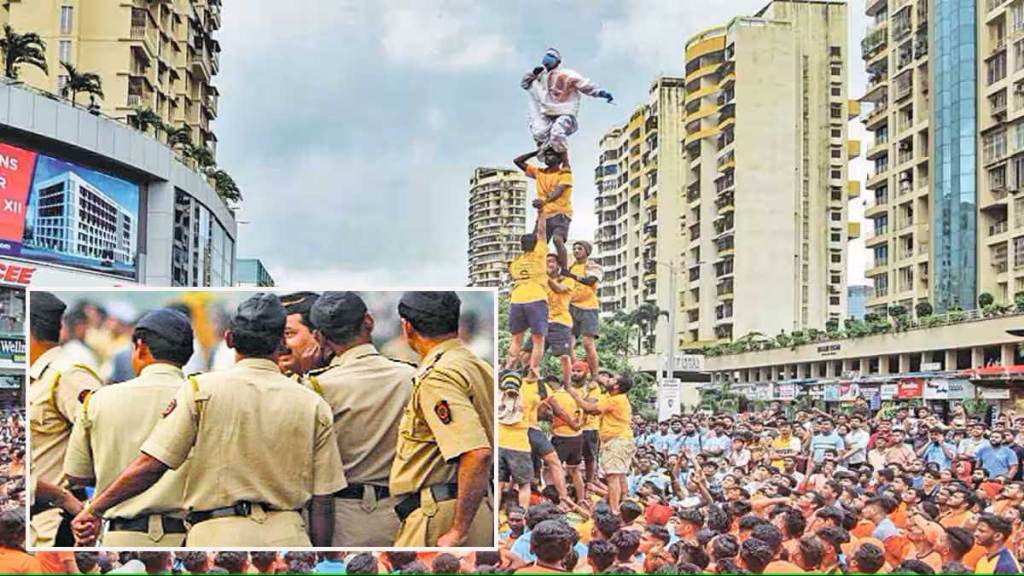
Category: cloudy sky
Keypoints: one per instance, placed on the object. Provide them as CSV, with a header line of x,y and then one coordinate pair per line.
x,y
353,127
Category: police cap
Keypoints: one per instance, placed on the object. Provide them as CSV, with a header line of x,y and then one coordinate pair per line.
x,y
262,312
338,315
46,309
167,323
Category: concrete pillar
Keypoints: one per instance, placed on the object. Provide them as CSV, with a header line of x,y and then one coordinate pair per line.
x,y
883,364
904,363
847,366
950,362
977,357
864,366
762,375
801,371
1007,354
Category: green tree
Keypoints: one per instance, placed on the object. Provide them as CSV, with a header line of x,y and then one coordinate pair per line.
x,y
17,49
225,186
923,309
985,299
179,137
81,82
201,155
144,118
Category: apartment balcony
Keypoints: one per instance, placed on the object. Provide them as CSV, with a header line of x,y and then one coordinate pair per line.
x,y
145,32
879,208
878,178
873,7
852,149
998,229
876,37
877,268
879,148
200,60
853,190
991,5
877,238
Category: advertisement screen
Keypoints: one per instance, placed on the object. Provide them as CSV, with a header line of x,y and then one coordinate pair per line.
x,y
63,213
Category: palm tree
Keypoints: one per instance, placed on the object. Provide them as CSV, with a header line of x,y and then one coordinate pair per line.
x,y
225,186
180,136
144,118
87,82
645,318
201,155
20,49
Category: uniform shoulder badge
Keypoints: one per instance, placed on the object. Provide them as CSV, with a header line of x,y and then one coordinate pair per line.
x,y
170,408
444,413
400,361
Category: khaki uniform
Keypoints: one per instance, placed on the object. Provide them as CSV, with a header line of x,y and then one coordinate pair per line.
x,y
57,389
111,427
451,412
261,448
368,393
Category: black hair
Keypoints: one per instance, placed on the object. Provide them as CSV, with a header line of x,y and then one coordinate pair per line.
x,y
607,524
955,567
551,540
834,537
262,560
997,523
725,546
691,515
624,382
626,543
913,566
362,563
602,555
961,540
399,558
414,567
794,523
813,551
630,511
193,561
660,533
750,521
769,534
693,553
300,303
233,562
869,558
718,519
12,529
491,557
528,242
445,563
833,513
156,560
541,512
255,343
756,555
163,349
44,331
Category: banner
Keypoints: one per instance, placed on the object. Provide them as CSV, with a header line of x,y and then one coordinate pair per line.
x,y
668,399
848,391
832,393
910,388
994,393
786,391
936,389
59,212
888,391
12,348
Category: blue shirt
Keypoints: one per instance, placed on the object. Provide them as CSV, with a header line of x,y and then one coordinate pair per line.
x,y
663,443
820,443
692,442
885,529
329,567
936,454
723,443
997,461
522,548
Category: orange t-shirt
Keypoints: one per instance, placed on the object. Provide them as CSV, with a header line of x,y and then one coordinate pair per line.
x,y
863,529
973,556
782,567
956,519
18,562
899,516
54,562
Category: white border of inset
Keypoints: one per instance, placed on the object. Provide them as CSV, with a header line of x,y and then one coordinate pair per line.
x,y
252,290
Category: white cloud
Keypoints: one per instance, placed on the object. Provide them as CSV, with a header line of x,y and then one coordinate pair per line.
x,y
449,36
335,278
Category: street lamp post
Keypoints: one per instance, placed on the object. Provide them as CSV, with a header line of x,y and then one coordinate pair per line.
x,y
671,350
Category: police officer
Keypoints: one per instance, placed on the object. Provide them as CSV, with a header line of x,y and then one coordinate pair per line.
x,y
57,389
368,393
115,421
442,469
261,448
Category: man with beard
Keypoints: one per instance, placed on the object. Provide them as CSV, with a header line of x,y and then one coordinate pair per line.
x,y
997,459
992,534
1010,497
958,508
974,442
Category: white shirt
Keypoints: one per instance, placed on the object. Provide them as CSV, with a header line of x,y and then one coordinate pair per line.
x,y
858,439
559,91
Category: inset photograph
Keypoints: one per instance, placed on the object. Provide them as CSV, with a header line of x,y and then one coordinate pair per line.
x,y
171,419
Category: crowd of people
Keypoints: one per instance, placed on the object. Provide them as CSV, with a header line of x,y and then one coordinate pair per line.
x,y
311,436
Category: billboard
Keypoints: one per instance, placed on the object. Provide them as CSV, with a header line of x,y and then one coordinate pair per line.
x,y
62,213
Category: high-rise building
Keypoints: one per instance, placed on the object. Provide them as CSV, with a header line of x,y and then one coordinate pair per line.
x,y
251,273
497,219
159,55
766,154
856,301
639,204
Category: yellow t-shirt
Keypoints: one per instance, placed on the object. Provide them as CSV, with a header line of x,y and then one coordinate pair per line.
x,y
560,427
786,447
547,180
594,420
530,393
558,304
530,276
616,418
583,297
516,436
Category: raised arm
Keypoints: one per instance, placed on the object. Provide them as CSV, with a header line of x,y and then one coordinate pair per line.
x,y
520,161
588,406
542,226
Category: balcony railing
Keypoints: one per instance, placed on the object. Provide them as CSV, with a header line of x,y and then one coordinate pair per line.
x,y
998,228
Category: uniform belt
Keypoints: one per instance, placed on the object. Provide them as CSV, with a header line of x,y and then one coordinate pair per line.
x,y
412,502
355,492
141,524
238,509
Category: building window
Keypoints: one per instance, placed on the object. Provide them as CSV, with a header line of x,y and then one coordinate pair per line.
x,y
837,70
833,300
837,132
837,152
837,193
836,110
1018,252
836,237
835,51
836,279
65,51
836,216
837,174
997,68
994,146
837,91
66,19
837,258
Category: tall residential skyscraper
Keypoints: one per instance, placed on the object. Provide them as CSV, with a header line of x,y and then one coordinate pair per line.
x,y
639,205
151,54
766,154
898,202
497,218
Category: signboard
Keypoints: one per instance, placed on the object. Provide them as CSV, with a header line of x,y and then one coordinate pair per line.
x,y
888,391
12,348
786,391
936,389
830,349
668,399
763,392
59,212
832,393
931,366
689,362
848,391
960,389
910,388
994,393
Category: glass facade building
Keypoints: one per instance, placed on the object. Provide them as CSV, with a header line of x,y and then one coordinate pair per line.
x,y
203,253
954,225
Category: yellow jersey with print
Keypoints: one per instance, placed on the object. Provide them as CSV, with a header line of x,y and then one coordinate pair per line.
x,y
547,180
596,394
558,304
560,427
616,418
583,297
530,276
